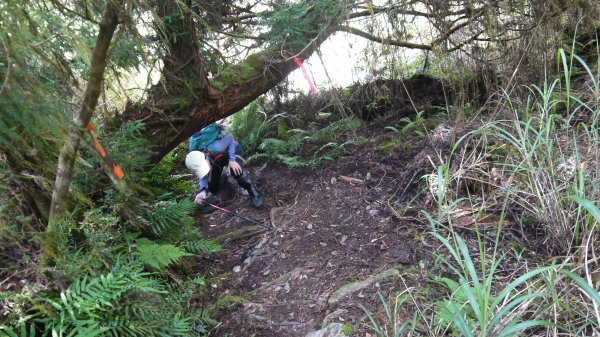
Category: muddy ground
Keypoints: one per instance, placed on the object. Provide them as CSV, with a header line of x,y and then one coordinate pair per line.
x,y
340,234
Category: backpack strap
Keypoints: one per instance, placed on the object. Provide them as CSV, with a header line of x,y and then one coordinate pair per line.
x,y
215,159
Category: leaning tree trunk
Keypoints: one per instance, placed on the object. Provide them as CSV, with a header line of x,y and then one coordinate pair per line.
x,y
166,133
185,100
68,154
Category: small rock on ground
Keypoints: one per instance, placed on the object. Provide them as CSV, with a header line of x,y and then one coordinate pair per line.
x,y
331,330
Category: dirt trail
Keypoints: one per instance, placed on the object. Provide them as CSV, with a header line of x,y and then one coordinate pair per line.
x,y
342,234
334,245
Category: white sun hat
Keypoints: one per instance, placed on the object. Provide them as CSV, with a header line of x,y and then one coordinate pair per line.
x,y
197,163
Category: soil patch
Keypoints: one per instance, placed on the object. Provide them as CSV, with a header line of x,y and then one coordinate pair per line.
x,y
341,234
335,243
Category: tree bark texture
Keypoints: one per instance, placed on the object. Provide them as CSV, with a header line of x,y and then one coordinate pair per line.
x,y
183,71
68,154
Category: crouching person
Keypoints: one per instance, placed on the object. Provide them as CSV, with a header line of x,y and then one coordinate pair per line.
x,y
208,167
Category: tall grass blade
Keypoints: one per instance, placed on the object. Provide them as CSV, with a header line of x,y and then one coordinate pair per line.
x,y
586,287
500,314
512,330
374,324
520,280
587,204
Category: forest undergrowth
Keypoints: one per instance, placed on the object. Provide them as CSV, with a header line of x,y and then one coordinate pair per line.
x,y
501,187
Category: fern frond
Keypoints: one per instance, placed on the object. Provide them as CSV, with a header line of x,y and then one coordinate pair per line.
x,y
65,327
272,144
169,215
285,150
201,246
86,329
180,326
125,302
328,145
274,147
294,161
249,126
202,318
158,256
89,294
258,157
139,310
335,129
90,301
124,327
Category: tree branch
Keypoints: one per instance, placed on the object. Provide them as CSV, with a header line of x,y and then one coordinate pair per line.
x,y
64,9
398,10
387,41
454,29
240,18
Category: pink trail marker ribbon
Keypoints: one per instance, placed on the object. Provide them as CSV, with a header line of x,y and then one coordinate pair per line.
x,y
310,83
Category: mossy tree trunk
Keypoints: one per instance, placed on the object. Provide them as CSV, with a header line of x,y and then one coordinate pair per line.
x,y
221,103
185,100
68,154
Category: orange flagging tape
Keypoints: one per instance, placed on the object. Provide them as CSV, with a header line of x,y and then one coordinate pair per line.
x,y
99,147
118,172
116,169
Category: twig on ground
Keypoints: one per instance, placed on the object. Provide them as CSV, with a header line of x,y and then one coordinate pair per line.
x,y
351,180
272,214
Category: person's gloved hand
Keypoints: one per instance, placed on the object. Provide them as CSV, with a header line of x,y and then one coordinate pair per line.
x,y
235,168
200,197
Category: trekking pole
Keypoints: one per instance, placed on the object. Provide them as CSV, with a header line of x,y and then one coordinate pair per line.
x,y
254,221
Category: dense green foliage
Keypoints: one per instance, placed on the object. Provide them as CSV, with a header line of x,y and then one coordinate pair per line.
x,y
124,302
250,126
115,249
270,140
115,261
291,22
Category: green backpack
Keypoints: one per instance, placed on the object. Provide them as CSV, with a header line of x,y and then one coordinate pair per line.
x,y
200,140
